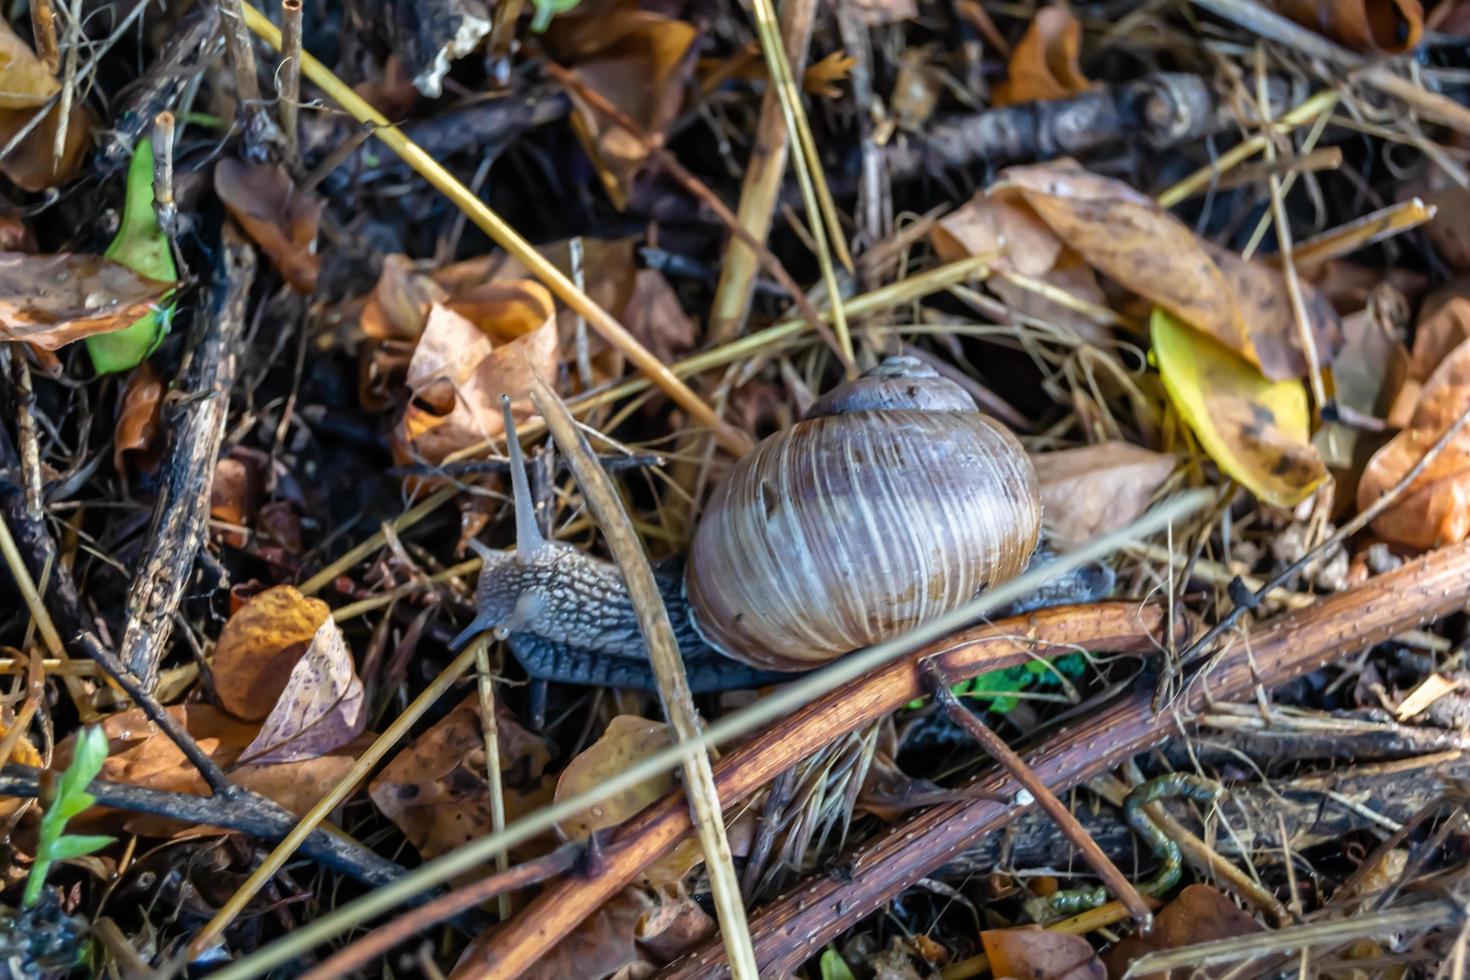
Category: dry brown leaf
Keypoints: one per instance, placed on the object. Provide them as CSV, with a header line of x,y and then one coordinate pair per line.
x,y
1434,511
641,61
26,86
888,792
1367,373
398,306
435,789
1198,914
1033,953
1021,242
672,929
916,88
1369,26
1444,324
600,946
138,420
457,376
234,494
142,755
823,78
260,646
25,82
1263,304
281,220
320,708
1095,489
657,318
1126,236
52,300
1045,64
627,740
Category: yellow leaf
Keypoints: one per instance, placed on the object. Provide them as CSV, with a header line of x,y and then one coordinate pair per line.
x,y
1257,430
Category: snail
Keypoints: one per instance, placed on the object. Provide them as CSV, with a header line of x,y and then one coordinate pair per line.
x,y
891,502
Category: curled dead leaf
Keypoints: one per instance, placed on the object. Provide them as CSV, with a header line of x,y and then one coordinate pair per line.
x,y
52,300
1369,26
138,420
1095,489
628,739
1045,63
1010,232
259,647
457,375
321,707
280,219
1434,510
399,304
435,789
27,88
641,61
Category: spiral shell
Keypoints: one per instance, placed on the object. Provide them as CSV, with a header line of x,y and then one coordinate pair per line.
x,y
851,528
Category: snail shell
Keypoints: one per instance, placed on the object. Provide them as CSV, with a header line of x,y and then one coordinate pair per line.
x,y
891,503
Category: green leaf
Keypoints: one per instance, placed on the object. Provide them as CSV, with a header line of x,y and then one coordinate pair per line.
x,y
547,9
834,967
78,845
71,799
142,246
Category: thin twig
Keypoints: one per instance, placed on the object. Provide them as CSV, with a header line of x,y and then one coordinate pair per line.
x,y
997,749
731,438
289,73
490,726
246,813
607,510
130,682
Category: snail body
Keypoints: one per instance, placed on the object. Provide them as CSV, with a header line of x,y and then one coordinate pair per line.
x,y
892,502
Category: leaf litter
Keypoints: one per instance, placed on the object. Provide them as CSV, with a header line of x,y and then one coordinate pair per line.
x,y
1139,348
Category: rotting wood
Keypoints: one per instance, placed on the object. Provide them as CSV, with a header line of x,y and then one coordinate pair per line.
x,y
1103,627
181,512
796,926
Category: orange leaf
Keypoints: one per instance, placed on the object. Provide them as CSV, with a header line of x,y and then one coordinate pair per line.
x,y
1045,64
282,221
1434,510
1034,953
139,419
457,375
1369,26
259,647
639,60
26,86
52,300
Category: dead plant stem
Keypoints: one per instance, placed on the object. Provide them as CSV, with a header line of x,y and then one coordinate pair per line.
x,y
606,508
